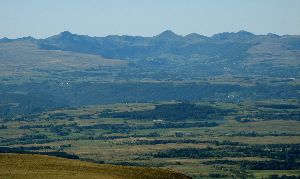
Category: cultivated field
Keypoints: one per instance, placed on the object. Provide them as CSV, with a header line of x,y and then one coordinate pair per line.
x,y
207,140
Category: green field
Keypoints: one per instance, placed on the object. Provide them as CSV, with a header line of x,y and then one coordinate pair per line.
x,y
213,143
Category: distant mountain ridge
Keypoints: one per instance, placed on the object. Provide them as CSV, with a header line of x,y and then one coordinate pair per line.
x,y
237,51
129,47
162,34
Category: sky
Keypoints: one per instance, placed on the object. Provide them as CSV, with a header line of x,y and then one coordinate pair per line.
x,y
44,18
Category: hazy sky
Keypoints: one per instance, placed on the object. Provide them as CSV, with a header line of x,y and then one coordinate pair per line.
x,y
43,18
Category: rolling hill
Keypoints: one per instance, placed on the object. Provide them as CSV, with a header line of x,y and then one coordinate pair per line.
x,y
39,166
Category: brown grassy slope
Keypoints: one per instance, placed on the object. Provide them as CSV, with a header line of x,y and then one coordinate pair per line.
x,y
40,166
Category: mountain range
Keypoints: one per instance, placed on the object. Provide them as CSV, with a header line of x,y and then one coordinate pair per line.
x,y
69,70
241,53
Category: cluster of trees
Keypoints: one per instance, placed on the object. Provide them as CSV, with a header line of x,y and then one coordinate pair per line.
x,y
274,151
172,112
61,130
3,127
27,117
186,141
151,134
32,150
259,165
279,106
162,141
35,126
33,137
192,153
22,148
184,124
126,127
28,139
217,175
103,137
256,134
270,115
284,155
66,129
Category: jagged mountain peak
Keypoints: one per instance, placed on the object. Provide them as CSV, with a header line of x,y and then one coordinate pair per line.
x,y
65,33
168,34
244,33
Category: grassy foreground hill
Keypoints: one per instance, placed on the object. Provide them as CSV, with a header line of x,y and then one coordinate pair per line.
x,y
39,166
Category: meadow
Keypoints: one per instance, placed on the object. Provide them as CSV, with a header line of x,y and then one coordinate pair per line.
x,y
207,140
